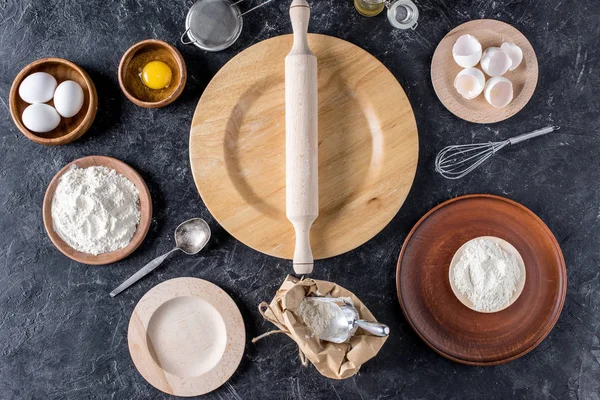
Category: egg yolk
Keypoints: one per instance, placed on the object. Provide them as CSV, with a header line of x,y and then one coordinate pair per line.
x,y
156,75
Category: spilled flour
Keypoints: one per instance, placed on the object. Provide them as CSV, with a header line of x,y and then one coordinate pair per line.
x,y
486,274
95,209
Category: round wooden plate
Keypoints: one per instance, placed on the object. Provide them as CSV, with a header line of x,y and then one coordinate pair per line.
x,y
186,337
438,317
145,210
368,147
490,33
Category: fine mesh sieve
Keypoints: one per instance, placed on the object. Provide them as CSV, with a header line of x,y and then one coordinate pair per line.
x,y
214,25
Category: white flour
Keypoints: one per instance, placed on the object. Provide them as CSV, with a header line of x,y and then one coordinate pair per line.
x,y
95,210
486,274
316,315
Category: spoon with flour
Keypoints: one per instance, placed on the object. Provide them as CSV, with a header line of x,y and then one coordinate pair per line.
x,y
190,237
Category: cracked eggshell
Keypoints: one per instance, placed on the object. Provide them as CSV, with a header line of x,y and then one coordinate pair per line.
x,y
498,91
466,51
495,62
469,83
514,52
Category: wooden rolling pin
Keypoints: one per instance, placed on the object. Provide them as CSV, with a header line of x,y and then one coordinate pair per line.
x,y
301,137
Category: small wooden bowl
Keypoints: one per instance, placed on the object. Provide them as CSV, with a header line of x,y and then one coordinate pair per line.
x,y
509,249
69,129
131,66
145,210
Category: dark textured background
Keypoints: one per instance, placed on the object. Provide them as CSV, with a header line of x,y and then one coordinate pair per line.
x,y
63,337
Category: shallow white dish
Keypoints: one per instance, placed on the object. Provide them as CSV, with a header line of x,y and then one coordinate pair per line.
x,y
507,247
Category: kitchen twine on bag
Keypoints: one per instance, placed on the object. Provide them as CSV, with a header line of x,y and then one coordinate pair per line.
x,y
262,308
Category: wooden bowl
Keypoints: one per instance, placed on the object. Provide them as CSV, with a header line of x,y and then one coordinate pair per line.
x,y
438,317
490,33
509,249
145,211
133,62
69,129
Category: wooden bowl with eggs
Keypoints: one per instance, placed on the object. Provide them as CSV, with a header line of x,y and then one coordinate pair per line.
x,y
131,69
68,129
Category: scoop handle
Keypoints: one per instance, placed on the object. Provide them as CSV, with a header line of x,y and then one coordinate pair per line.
x,y
301,139
375,328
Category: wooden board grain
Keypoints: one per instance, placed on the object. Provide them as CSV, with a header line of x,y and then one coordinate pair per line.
x,y
368,147
490,33
186,336
145,211
441,320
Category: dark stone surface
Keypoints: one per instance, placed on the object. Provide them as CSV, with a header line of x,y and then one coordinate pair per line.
x,y
63,337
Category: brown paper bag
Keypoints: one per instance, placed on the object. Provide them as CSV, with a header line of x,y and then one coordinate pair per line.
x,y
333,360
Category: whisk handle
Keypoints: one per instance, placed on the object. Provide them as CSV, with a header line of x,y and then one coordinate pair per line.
x,y
527,136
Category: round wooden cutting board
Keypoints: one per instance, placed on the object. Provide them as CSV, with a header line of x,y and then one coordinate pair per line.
x,y
490,33
441,320
368,147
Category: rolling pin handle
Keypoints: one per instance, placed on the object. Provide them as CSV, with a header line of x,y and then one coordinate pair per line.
x,y
303,258
300,16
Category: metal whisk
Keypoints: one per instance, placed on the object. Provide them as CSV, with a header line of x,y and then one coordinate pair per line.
x,y
454,162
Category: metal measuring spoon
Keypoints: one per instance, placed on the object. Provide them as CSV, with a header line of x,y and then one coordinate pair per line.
x,y
346,321
190,237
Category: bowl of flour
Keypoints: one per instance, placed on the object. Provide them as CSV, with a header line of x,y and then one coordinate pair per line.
x,y
97,210
487,274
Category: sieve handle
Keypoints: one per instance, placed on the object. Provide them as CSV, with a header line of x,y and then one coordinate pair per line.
x,y
253,8
527,136
184,41
301,136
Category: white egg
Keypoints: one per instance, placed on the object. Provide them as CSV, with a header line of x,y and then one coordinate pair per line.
x,y
469,83
40,118
466,51
514,52
495,62
68,99
37,88
498,91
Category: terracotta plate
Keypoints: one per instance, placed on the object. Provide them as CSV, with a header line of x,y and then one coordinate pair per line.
x,y
368,147
186,337
490,33
441,320
145,211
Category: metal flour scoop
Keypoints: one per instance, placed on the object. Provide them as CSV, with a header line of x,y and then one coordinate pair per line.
x,y
336,320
